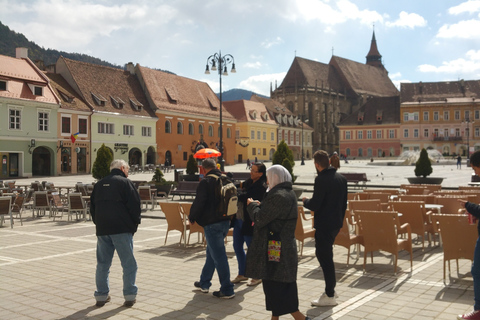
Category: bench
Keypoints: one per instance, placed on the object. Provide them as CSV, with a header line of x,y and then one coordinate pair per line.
x,y
241,176
355,177
185,188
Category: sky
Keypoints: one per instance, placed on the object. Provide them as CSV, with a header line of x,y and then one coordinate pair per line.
x,y
429,40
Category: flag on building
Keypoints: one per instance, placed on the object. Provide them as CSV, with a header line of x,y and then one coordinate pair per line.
x,y
74,137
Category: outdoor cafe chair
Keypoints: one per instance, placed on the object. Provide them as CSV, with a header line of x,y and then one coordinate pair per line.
x,y
451,205
18,206
76,205
302,233
146,196
40,203
174,219
381,231
194,228
458,237
415,214
345,237
6,210
58,206
370,204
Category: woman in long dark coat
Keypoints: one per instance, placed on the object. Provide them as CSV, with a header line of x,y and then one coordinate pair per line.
x,y
277,214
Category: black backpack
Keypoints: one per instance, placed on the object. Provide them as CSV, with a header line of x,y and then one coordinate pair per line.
x,y
226,192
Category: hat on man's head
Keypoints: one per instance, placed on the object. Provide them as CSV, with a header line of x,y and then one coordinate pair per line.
x,y
335,152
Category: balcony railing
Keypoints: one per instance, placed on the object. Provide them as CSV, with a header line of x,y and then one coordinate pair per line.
x,y
447,139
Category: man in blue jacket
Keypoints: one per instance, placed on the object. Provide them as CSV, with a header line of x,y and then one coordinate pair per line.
x,y
329,202
115,209
474,209
204,211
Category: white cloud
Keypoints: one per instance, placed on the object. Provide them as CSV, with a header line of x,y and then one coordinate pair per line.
x,y
408,20
467,29
466,67
395,75
253,65
270,43
261,83
469,6
325,13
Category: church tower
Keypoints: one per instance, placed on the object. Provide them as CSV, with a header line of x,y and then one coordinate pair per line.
x,y
374,58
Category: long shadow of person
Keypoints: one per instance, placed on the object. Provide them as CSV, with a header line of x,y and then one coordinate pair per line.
x,y
83,314
206,306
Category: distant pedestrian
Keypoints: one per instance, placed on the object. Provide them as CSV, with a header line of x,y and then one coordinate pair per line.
x,y
459,162
115,209
335,161
249,165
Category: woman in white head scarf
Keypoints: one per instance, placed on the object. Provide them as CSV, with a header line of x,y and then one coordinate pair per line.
x,y
277,174
276,216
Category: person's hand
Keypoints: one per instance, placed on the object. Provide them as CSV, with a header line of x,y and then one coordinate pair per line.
x,y
462,201
304,198
250,200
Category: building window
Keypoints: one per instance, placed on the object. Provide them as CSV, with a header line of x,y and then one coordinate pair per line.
x,y
415,133
457,114
446,115
237,134
38,91
379,134
42,121
360,152
477,132
168,126
66,125
391,134
435,132
264,151
272,136
425,116
229,133
127,130
369,134
425,133
210,131
254,151
477,114
360,134
435,116
415,116
347,135
467,114
445,133
264,135
252,134
405,133
405,116
82,125
15,117
3,85
457,132
191,129
258,135
179,128
106,128
200,128
146,131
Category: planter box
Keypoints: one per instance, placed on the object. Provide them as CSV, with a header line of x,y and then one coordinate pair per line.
x,y
427,180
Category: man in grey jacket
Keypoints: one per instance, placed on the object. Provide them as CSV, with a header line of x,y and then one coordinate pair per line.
x,y
115,209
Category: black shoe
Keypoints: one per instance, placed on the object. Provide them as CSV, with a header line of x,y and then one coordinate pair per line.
x,y
129,303
221,295
102,303
198,286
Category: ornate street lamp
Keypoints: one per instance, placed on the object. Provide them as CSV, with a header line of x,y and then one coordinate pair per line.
x,y
468,121
222,62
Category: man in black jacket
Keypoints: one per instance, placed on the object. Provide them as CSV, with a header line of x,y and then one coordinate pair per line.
x,y
115,209
204,211
329,202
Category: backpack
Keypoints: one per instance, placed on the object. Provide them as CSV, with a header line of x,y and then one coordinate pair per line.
x,y
226,192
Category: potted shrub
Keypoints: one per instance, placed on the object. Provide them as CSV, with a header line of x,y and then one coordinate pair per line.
x,y
191,170
423,168
160,183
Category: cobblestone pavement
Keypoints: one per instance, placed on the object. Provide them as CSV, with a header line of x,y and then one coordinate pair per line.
x,y
47,270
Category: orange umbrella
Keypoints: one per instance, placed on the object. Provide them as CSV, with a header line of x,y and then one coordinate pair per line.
x,y
206,153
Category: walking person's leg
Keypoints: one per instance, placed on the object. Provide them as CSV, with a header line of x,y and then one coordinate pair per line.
x,y
238,242
123,243
105,250
475,314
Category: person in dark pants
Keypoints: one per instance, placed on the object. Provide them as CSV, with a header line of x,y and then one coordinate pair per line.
x,y
329,202
474,209
115,209
204,211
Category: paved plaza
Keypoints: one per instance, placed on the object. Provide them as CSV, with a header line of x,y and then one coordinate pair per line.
x,y
47,269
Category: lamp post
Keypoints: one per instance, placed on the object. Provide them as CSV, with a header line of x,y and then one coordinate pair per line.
x,y
468,121
222,62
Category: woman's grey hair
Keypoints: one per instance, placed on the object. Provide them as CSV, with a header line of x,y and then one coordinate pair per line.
x,y
118,163
209,163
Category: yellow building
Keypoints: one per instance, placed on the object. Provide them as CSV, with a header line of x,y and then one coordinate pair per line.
x,y
256,132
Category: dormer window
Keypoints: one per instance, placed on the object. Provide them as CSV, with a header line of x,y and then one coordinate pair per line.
x,y
360,116
290,120
36,90
3,85
117,102
172,97
379,115
66,97
278,118
211,105
264,116
253,114
99,99
136,105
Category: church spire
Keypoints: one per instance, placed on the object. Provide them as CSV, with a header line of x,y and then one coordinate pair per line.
x,y
374,58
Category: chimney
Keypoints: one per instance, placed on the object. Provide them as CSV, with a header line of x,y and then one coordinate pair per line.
x,y
21,53
130,68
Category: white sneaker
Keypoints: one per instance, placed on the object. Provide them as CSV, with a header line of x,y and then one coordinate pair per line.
x,y
325,301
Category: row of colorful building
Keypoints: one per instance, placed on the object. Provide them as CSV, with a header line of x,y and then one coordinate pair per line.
x,y
55,118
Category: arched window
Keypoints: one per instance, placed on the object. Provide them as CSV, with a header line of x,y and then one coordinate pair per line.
x,y
229,133
168,126
179,128
200,128
191,129
360,152
210,131
347,151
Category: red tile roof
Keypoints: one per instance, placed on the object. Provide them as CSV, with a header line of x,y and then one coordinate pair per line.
x,y
69,99
170,92
100,83
377,110
243,110
440,91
